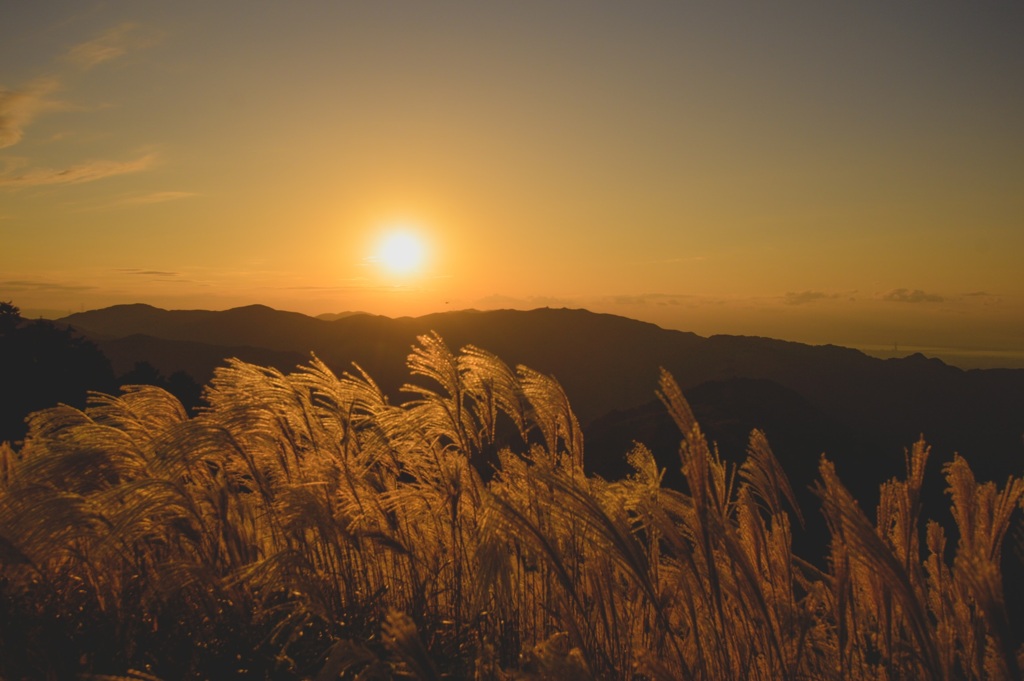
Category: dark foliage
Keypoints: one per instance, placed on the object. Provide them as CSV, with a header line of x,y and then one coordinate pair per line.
x,y
179,384
41,365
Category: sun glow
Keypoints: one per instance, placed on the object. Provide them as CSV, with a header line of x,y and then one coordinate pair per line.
x,y
401,252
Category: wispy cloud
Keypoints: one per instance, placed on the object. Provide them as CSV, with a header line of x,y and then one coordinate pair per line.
x,y
650,299
18,108
500,301
111,44
358,284
604,302
89,171
905,295
147,199
804,297
26,285
156,273
148,278
983,298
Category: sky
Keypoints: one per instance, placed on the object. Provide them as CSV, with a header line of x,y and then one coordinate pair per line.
x,y
848,173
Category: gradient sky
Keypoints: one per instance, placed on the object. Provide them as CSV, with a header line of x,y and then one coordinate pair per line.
x,y
825,172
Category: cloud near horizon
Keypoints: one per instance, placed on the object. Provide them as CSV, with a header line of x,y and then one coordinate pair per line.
x,y
904,295
664,299
134,270
23,285
804,297
496,300
144,277
360,284
603,302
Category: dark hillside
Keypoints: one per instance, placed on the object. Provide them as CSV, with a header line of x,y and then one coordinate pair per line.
x,y
826,398
196,359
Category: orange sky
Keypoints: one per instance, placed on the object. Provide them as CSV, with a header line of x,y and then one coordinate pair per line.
x,y
850,174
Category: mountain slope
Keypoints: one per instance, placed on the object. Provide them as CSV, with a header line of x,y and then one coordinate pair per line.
x,y
608,363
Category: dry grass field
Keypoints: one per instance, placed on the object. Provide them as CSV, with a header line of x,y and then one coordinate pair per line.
x,y
302,526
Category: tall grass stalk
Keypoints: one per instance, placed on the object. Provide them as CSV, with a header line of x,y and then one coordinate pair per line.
x,y
304,526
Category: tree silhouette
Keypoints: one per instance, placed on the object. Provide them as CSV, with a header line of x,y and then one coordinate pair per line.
x,y
180,384
41,366
10,318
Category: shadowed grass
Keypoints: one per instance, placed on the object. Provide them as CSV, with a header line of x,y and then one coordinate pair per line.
x,y
302,526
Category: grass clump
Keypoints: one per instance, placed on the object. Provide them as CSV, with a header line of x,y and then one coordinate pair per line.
x,y
302,526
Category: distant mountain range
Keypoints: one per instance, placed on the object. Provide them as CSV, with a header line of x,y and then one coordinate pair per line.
x,y
861,410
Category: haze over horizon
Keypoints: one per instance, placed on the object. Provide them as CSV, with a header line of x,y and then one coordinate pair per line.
x,y
963,358
824,174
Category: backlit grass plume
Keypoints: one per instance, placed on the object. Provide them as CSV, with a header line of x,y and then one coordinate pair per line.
x,y
304,526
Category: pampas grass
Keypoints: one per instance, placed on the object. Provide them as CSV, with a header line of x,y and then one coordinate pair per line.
x,y
303,526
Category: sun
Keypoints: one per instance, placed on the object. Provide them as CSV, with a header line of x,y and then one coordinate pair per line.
x,y
401,252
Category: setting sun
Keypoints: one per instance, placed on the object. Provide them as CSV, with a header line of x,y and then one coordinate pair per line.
x,y
401,252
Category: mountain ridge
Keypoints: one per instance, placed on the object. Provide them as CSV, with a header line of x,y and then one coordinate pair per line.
x,y
608,363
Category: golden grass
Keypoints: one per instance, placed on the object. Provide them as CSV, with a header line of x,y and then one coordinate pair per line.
x,y
302,526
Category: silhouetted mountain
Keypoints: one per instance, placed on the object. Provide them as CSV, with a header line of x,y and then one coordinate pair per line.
x,y
603,361
251,326
808,399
